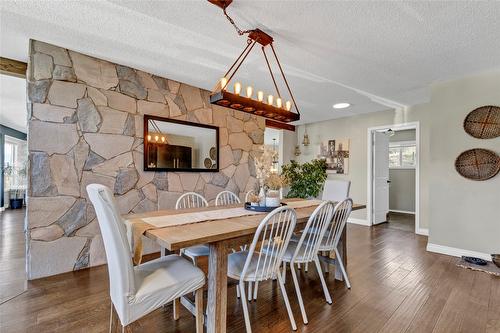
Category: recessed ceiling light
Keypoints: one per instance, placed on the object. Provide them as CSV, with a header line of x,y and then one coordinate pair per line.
x,y
341,105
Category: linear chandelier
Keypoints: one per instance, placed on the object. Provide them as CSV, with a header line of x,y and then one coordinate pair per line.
x,y
272,107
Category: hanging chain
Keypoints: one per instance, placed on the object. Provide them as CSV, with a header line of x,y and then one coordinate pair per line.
x,y
240,32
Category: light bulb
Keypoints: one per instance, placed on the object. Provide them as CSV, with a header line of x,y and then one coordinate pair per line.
x,y
149,137
162,139
237,88
270,99
249,91
278,102
288,105
223,83
260,96
156,138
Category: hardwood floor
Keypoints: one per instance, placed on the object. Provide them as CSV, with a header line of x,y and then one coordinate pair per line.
x,y
401,221
396,287
12,254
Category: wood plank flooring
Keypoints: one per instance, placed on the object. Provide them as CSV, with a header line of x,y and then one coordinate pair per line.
x,y
12,254
396,287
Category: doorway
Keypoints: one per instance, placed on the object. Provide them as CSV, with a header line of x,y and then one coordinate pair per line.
x,y
13,179
393,176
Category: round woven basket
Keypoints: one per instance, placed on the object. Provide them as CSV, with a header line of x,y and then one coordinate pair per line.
x,y
478,164
483,122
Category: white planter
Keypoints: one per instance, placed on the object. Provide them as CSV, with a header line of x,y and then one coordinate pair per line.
x,y
272,202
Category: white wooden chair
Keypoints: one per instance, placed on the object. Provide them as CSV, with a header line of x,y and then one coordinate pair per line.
x,y
137,291
336,190
226,198
255,265
191,200
305,250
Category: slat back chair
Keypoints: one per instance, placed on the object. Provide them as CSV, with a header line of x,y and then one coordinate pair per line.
x,y
191,200
332,236
273,234
306,249
226,198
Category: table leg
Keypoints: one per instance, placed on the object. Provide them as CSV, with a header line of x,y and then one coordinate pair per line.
x,y
217,288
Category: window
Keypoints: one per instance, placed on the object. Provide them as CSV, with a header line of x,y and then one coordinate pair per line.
x,y
402,155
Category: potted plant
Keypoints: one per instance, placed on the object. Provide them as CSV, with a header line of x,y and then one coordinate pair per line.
x,y
305,180
17,178
274,183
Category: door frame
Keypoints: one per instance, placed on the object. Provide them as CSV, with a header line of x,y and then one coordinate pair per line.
x,y
369,195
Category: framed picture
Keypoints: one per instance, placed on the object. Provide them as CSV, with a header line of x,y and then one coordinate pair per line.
x,y
336,154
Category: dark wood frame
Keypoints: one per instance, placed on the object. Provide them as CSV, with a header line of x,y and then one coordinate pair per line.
x,y
180,122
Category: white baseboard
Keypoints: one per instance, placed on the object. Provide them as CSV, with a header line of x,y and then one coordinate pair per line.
x,y
455,252
401,211
423,232
358,221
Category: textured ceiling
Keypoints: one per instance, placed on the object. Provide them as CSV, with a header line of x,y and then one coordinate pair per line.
x,y
392,50
13,102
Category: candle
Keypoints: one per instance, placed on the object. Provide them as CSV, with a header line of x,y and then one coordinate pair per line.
x,y
288,105
278,102
156,138
162,139
260,96
149,137
270,99
237,88
249,91
223,83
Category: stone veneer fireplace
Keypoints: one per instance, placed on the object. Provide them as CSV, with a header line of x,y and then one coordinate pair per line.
x,y
85,126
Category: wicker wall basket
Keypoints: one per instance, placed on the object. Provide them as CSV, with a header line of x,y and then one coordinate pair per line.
x,y
478,164
483,122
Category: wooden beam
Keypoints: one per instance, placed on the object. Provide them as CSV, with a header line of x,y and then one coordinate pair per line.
x,y
278,125
13,67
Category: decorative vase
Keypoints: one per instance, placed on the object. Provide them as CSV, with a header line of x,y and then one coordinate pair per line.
x,y
262,196
273,198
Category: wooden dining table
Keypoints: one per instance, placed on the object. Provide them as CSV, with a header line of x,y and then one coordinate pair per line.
x,y
221,236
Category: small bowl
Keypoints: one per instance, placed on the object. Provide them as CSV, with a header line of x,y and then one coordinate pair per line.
x,y
496,259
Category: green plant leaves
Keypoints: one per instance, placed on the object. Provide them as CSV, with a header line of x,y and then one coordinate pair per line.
x,y
306,180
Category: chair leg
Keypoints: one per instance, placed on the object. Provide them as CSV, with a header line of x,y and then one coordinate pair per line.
x,y
241,285
287,302
299,294
255,289
238,292
249,291
327,265
176,307
306,267
322,278
342,268
111,318
283,276
198,303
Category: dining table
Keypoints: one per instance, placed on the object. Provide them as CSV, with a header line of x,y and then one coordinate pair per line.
x,y
221,235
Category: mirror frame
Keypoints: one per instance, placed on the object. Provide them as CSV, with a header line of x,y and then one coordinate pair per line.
x,y
180,122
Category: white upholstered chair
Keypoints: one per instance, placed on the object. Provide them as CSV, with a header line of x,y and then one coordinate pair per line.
x,y
255,265
225,198
193,200
305,249
336,190
137,291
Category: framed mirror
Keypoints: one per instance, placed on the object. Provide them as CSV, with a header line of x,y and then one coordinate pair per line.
x,y
176,145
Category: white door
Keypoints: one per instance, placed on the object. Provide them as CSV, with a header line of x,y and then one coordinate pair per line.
x,y
380,177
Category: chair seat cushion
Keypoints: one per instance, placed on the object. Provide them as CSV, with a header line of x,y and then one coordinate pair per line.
x,y
160,281
322,247
236,262
197,251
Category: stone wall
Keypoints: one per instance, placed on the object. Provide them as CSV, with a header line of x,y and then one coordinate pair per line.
x,y
86,126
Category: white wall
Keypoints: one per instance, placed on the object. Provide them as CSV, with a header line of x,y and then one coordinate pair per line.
x,y
459,213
